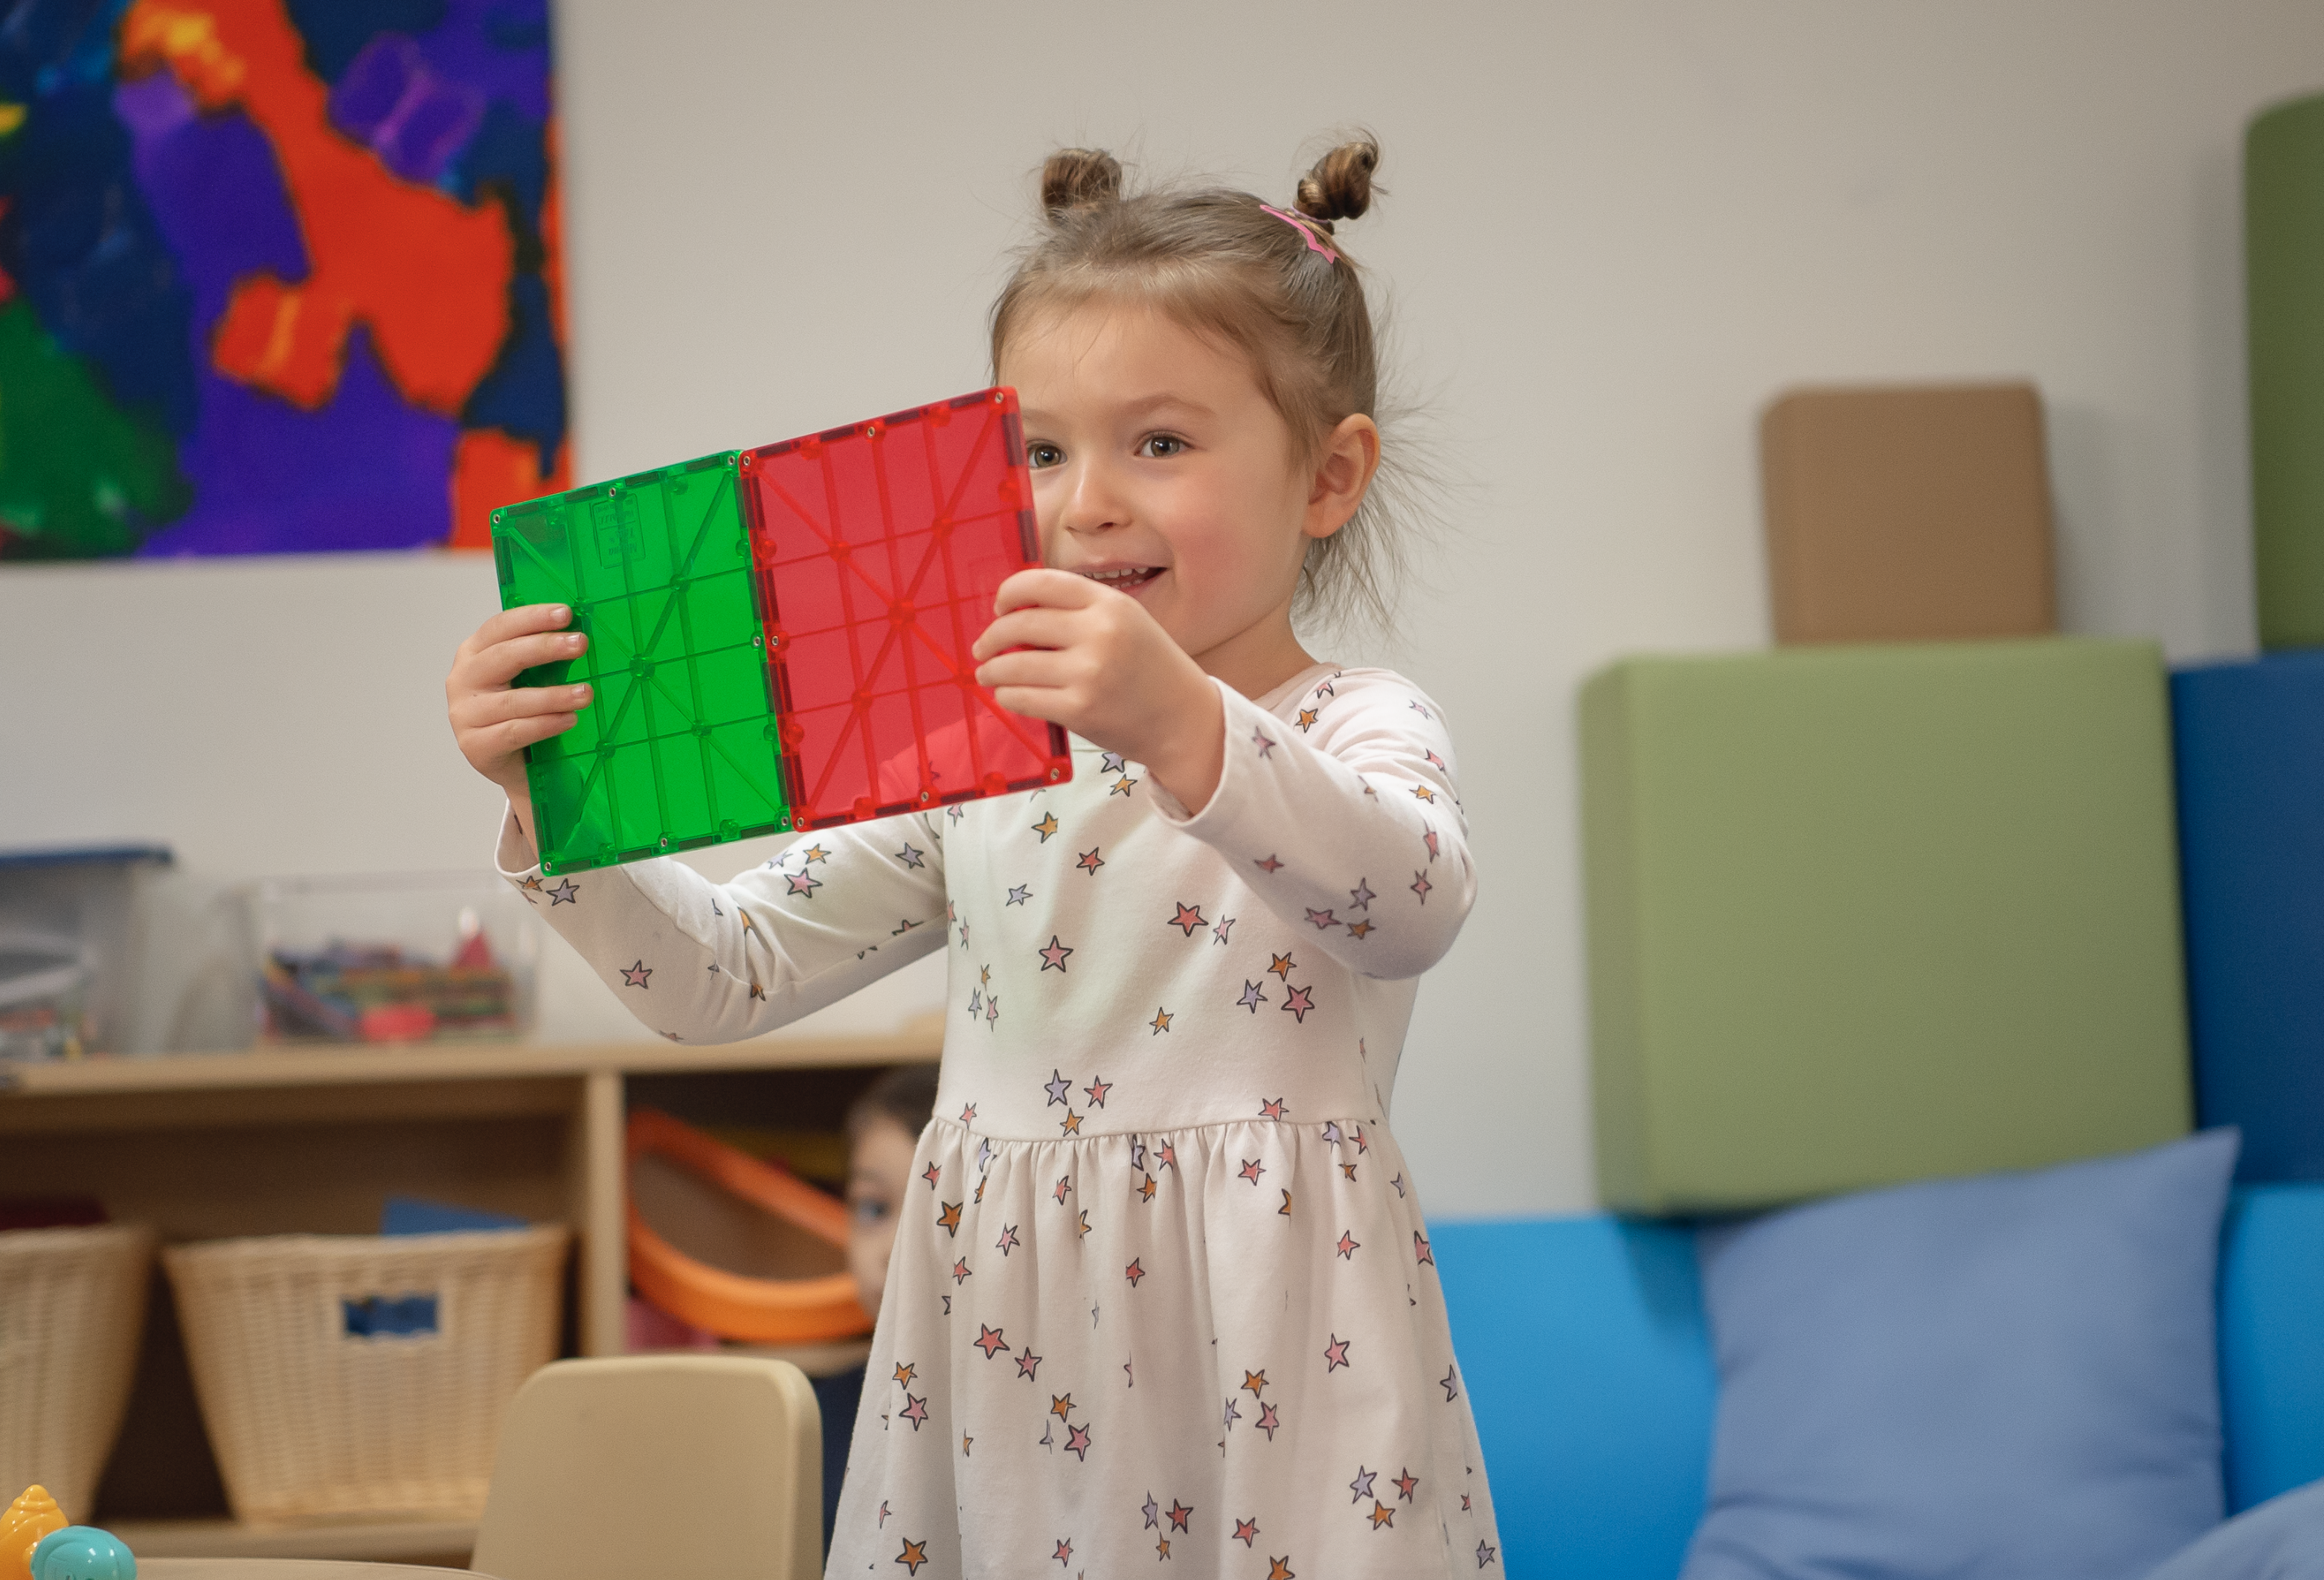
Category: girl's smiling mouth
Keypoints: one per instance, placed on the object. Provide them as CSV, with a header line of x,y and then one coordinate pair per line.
x,y
1127,579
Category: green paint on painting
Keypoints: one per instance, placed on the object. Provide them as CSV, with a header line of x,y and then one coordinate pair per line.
x,y
79,477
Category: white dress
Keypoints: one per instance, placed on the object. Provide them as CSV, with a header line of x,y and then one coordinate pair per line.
x,y
1162,1293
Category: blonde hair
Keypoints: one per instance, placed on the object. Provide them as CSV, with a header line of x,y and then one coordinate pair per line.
x,y
1280,289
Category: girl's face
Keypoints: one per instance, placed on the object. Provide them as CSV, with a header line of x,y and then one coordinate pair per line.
x,y
1159,468
879,1170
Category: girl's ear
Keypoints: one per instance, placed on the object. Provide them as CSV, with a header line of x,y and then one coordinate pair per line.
x,y
1351,455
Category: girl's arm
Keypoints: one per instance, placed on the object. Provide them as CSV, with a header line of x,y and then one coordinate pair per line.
x,y
704,962
1344,820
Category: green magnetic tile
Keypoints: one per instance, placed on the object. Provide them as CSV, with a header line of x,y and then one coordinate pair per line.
x,y
2283,295
1860,914
679,748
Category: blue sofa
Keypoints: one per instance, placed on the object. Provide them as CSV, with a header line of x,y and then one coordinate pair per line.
x,y
1590,1368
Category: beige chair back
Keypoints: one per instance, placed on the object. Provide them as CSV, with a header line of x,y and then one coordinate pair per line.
x,y
709,1466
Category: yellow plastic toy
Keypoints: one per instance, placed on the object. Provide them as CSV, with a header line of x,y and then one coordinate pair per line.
x,y
33,1515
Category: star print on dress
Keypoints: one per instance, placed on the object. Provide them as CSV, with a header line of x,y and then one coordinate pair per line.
x,y
1420,1251
1053,958
1270,866
992,1011
905,1372
1078,1442
1405,1482
1335,1354
1423,792
1298,1001
1362,1485
1133,1273
803,882
988,1340
1188,919
1449,1383
1096,1091
1245,1529
1306,719
1272,1108
915,1410
1382,1515
1485,1551
1167,1157
1161,1020
1111,763
948,1220
1432,757
1349,1245
1280,1569
1005,1244
1146,1190
635,975
1347,1171
960,1272
968,1115
1252,997
1268,1420
1122,786
1258,738
910,857
1230,1415
1162,1547
1065,1553
673,1037
1284,1210
914,1555
813,853
1331,1133
1057,1086
1322,919
1028,1363
1179,1514
965,1441
1398,1183
1047,826
1251,1170
1360,897
1019,896
883,1511
1357,929
565,893
1429,839
1421,886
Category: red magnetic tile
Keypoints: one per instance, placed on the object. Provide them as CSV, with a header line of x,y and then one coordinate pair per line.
x,y
879,547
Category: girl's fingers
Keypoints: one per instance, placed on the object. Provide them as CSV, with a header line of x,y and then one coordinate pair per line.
x,y
1041,667
1040,702
1042,625
519,622
1059,590
518,733
503,661
492,708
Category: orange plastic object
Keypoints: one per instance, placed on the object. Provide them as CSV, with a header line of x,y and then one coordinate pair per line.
x,y
879,547
33,1515
789,1311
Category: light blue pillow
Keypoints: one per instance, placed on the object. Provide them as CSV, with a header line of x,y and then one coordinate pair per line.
x,y
2281,1540
2010,1376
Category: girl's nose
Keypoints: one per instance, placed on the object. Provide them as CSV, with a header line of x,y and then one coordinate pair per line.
x,y
1090,500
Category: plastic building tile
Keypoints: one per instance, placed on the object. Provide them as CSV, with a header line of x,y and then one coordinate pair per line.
x,y
880,548
679,747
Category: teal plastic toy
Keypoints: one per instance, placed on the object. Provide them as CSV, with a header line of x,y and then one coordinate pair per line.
x,y
82,1552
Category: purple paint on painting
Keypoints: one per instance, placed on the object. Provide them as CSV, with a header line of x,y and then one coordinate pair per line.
x,y
413,118
367,471
500,47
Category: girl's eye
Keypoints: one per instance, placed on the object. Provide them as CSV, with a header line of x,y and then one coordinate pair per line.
x,y
1159,447
870,1210
1040,453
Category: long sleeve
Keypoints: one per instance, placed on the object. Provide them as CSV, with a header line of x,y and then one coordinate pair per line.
x,y
1343,819
704,962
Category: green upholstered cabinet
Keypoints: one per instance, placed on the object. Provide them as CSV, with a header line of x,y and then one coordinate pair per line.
x,y
1866,914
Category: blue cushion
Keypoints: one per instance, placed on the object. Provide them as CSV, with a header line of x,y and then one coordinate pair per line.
x,y
2283,1539
2250,750
1590,1371
2006,1376
2271,1340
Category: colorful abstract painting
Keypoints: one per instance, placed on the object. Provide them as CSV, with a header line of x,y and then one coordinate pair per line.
x,y
275,275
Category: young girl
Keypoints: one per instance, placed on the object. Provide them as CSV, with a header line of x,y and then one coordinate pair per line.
x,y
1163,1290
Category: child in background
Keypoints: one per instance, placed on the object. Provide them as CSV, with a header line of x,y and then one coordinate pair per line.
x,y
1161,1289
882,1125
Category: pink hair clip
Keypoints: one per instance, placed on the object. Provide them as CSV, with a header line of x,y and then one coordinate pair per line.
x,y
1305,227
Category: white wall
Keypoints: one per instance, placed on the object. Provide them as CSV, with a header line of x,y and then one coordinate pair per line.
x,y
1612,230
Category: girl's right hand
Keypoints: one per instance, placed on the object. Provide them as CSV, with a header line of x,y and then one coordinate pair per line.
x,y
494,721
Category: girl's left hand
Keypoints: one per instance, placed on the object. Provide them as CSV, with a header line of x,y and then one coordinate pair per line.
x,y
1093,660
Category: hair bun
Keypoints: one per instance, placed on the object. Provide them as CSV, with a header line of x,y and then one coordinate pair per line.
x,y
1339,187
1079,178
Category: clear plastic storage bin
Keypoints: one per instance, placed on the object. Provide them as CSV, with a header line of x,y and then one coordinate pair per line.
x,y
396,958
68,933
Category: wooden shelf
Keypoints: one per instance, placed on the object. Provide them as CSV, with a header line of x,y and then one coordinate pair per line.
x,y
419,1062
386,1541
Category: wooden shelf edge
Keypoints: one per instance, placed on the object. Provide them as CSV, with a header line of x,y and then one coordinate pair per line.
x,y
380,1541
313,1067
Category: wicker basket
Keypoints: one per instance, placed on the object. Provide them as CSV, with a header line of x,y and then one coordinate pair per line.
x,y
351,1375
73,1307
